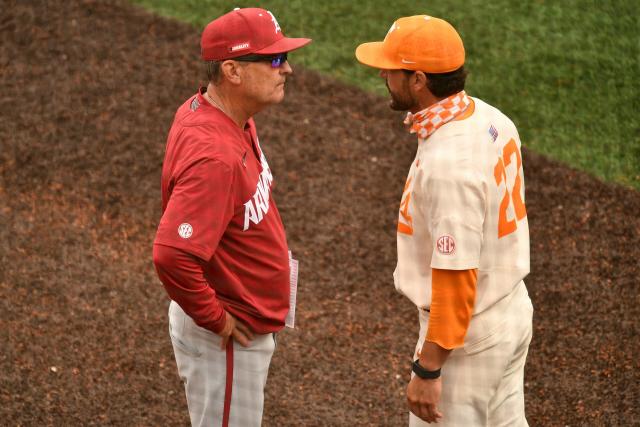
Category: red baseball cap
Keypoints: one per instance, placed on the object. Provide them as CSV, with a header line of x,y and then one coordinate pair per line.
x,y
245,31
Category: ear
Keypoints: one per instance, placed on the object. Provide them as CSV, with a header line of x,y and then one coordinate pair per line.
x,y
418,81
232,71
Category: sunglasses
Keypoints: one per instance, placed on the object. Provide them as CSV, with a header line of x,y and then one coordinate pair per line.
x,y
276,60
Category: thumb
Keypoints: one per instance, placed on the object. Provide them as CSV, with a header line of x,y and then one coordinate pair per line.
x,y
223,343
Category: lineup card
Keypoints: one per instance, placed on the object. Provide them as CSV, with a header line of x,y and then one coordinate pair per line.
x,y
293,289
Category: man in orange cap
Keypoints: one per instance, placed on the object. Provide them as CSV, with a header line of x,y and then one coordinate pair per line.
x,y
463,236
220,249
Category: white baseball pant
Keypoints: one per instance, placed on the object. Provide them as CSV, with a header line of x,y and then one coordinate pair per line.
x,y
483,381
223,387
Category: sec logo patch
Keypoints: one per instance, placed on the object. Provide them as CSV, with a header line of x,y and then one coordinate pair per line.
x,y
446,245
185,230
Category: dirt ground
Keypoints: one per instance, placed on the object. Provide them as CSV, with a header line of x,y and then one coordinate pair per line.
x,y
87,93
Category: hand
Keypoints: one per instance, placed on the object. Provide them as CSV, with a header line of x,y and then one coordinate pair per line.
x,y
423,397
236,329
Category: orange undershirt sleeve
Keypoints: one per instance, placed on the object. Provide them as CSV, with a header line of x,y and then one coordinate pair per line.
x,y
453,295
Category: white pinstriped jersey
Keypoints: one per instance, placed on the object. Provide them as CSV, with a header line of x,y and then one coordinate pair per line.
x,y
463,208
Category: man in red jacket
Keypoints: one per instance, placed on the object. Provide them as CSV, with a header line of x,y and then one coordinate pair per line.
x,y
220,249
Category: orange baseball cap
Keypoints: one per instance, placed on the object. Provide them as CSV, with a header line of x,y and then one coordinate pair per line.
x,y
419,43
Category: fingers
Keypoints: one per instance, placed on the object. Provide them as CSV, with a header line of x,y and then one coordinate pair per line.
x,y
235,329
428,415
244,329
426,412
423,397
438,414
242,339
434,413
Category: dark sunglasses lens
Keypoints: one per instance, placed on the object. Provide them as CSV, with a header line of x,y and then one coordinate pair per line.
x,y
278,60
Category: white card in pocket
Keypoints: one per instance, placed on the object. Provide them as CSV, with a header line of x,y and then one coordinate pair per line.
x,y
289,321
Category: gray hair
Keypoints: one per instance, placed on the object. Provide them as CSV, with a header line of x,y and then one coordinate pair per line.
x,y
214,71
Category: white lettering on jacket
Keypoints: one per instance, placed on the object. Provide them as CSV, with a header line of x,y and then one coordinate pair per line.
x,y
257,207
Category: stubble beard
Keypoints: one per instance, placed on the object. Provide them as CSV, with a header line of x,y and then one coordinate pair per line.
x,y
399,103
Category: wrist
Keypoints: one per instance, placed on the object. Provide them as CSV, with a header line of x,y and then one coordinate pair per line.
x,y
424,373
428,364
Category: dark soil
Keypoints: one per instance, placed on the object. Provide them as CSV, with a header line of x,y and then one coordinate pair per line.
x,y
88,90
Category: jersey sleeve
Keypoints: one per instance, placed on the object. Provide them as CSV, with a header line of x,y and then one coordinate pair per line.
x,y
453,295
199,208
457,211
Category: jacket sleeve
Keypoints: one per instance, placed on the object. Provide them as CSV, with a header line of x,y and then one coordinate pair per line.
x,y
183,279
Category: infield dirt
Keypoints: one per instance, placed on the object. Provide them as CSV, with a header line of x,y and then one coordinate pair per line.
x,y
88,90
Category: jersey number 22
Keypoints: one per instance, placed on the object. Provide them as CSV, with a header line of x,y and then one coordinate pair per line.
x,y
505,226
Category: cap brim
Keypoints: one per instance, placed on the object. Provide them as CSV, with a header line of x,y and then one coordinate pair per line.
x,y
285,44
372,54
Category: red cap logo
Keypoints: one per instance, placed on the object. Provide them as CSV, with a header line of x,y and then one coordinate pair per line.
x,y
446,245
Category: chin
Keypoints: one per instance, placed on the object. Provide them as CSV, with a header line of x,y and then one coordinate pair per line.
x,y
279,96
397,107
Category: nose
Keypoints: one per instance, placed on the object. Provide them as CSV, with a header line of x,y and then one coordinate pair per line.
x,y
285,68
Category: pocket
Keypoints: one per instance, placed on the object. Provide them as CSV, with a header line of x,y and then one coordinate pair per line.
x,y
488,341
177,329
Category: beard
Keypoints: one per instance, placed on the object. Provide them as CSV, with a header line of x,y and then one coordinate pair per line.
x,y
399,102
